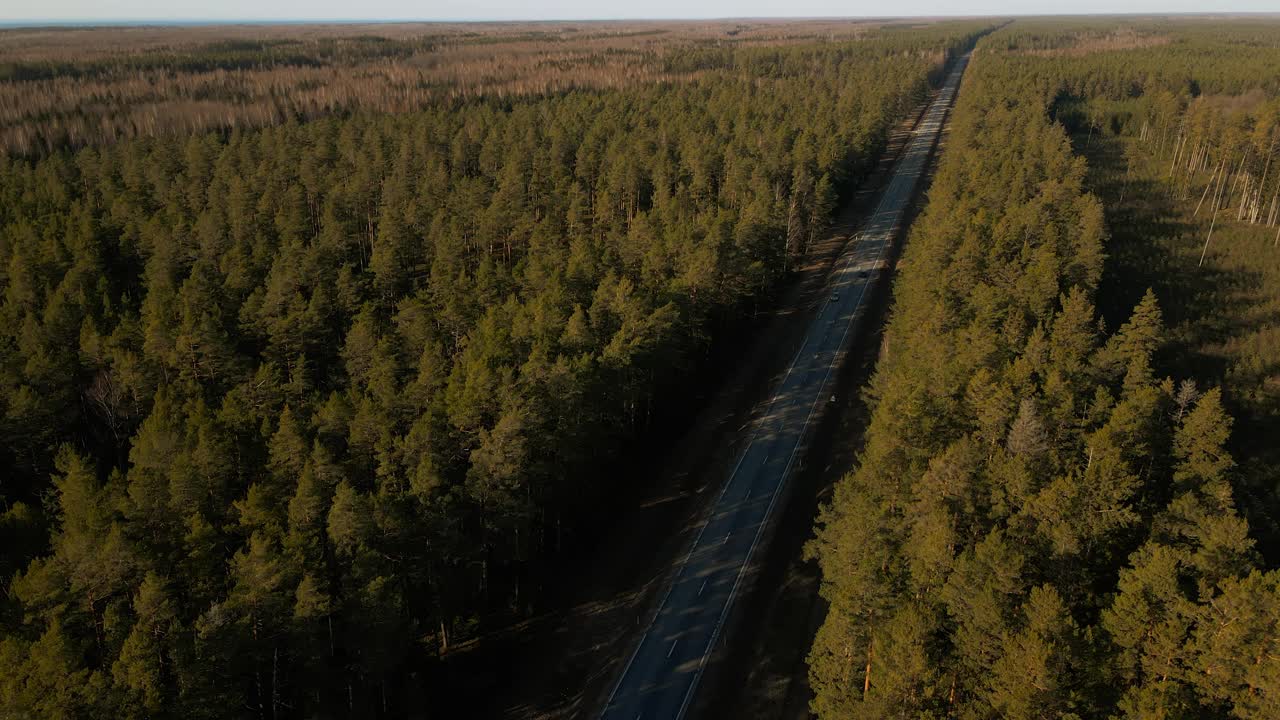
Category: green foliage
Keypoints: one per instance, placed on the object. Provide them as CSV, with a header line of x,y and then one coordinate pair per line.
x,y
1056,523
332,386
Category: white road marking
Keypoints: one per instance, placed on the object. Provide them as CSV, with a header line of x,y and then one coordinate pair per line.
x,y
673,647
704,587
625,670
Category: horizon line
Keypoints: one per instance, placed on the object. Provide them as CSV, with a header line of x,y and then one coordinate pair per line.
x,y
190,21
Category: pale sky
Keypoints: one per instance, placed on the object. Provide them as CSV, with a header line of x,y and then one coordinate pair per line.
x,y
124,10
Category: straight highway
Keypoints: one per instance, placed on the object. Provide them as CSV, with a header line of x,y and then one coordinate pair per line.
x,y
660,678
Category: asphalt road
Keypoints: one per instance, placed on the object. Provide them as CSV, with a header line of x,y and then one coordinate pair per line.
x,y
661,677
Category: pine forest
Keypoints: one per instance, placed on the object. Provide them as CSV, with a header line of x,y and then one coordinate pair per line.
x,y
341,365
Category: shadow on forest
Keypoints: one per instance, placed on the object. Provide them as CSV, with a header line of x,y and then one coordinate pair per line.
x,y
1206,310
1152,247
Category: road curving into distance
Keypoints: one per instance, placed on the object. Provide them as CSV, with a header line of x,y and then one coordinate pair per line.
x,y
660,678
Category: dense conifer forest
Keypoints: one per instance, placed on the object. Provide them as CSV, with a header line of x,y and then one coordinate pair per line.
x,y
1066,502
319,347
294,394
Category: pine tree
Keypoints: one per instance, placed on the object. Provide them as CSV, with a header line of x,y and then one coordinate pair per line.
x,y
145,663
1037,674
1200,446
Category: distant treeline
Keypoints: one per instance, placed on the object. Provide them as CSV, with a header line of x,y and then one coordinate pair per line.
x,y
71,89
226,55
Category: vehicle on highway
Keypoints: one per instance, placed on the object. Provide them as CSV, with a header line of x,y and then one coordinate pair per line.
x,y
835,297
